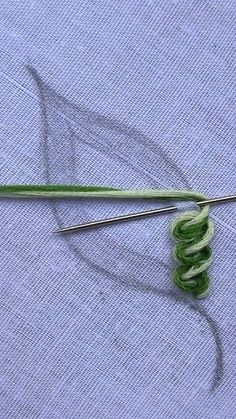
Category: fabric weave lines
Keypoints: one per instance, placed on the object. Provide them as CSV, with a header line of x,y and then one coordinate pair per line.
x,y
136,95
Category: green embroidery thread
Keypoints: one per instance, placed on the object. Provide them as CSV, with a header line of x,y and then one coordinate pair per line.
x,y
191,230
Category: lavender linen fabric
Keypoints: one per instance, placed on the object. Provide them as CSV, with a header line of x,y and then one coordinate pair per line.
x,y
132,94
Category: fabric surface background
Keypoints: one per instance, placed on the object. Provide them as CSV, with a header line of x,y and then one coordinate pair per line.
x,y
130,94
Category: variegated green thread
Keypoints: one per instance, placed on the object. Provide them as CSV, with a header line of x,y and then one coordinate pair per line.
x,y
191,230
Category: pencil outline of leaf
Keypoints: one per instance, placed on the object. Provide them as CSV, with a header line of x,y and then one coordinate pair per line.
x,y
194,307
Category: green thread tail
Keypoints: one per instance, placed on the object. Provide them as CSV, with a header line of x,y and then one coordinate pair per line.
x,y
191,231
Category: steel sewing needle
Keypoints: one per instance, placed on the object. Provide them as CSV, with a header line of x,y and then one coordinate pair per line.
x,y
142,214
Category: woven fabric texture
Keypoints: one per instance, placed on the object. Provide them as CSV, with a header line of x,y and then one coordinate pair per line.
x,y
131,94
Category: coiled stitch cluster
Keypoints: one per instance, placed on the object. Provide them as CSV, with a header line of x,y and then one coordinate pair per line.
x,y
192,232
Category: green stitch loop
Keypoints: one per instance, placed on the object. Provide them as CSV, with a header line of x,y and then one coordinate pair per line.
x,y
192,230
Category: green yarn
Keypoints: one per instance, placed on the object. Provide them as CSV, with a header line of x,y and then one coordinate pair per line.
x,y
191,230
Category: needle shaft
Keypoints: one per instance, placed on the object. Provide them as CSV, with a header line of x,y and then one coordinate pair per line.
x,y
142,214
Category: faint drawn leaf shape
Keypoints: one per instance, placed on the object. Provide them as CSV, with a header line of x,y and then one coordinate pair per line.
x,y
75,140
